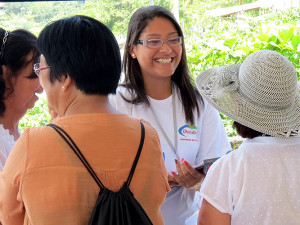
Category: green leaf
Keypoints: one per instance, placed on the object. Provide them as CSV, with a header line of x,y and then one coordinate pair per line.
x,y
264,37
230,42
286,35
283,35
295,42
244,49
274,39
258,45
273,44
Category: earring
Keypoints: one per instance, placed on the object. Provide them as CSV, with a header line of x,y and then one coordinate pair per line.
x,y
63,87
133,55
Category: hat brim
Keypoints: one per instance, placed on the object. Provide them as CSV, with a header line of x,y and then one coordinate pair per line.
x,y
280,122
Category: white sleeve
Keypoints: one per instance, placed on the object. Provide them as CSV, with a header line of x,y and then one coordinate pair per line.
x,y
223,184
213,138
2,155
112,100
216,187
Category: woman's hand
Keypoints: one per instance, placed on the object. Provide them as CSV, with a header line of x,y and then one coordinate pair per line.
x,y
187,176
171,180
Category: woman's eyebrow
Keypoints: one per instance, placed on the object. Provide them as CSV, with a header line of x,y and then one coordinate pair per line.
x,y
158,35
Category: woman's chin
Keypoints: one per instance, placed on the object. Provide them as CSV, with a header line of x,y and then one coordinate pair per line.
x,y
31,104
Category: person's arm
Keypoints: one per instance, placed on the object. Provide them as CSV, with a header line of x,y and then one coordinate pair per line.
x,y
11,204
209,215
2,157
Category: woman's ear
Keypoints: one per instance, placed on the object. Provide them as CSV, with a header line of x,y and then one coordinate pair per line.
x,y
9,83
4,72
66,82
132,52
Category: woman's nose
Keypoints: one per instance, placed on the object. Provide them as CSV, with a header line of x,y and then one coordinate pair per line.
x,y
39,89
165,48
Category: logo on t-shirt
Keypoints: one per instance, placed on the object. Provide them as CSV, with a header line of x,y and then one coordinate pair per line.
x,y
189,132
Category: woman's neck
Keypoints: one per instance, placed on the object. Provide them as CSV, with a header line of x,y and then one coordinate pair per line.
x,y
84,104
159,90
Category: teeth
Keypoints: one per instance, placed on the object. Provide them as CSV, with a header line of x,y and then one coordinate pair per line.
x,y
164,60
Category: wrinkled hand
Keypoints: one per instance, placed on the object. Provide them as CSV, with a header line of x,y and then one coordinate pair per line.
x,y
186,175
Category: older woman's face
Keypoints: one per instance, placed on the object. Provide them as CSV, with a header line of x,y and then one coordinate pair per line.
x,y
25,87
51,89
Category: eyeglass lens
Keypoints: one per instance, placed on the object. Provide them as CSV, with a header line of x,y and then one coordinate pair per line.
x,y
156,43
36,68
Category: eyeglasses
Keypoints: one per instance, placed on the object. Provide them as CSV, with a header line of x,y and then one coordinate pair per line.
x,y
157,43
37,69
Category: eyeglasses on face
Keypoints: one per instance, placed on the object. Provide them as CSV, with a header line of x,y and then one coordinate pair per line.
x,y
37,69
157,43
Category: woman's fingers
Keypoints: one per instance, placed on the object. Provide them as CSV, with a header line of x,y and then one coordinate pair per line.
x,y
186,175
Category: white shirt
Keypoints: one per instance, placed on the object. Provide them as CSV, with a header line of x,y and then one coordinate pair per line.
x,y
7,142
257,184
206,139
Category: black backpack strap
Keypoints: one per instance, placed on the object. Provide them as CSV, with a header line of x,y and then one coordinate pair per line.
x,y
137,155
78,153
76,150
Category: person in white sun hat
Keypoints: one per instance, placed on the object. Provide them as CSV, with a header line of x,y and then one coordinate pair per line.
x,y
259,182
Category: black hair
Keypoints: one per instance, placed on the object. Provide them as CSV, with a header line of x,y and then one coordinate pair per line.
x,y
134,81
14,52
245,132
86,50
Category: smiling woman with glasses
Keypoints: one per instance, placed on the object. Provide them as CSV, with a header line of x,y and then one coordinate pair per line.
x,y
158,88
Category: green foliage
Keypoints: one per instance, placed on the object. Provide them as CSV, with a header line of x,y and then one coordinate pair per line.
x,y
37,116
227,42
116,14
210,41
33,16
228,125
231,45
113,13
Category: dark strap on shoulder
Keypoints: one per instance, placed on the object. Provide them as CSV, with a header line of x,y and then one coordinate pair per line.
x,y
76,150
78,153
137,155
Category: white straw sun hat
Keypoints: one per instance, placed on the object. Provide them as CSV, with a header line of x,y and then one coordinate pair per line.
x,y
262,93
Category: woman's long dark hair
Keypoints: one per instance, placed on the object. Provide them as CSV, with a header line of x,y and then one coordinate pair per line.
x,y
19,44
134,81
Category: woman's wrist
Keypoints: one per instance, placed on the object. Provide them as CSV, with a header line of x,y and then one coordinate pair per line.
x,y
197,186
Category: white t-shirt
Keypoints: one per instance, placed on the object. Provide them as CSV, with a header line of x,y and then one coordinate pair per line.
x,y
206,139
257,184
7,142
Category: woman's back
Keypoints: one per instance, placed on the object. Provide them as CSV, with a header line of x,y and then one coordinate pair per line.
x,y
56,188
258,182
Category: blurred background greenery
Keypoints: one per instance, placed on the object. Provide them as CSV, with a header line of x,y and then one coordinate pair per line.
x,y
210,40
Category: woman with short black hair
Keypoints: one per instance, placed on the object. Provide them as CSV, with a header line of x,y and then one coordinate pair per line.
x,y
43,181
